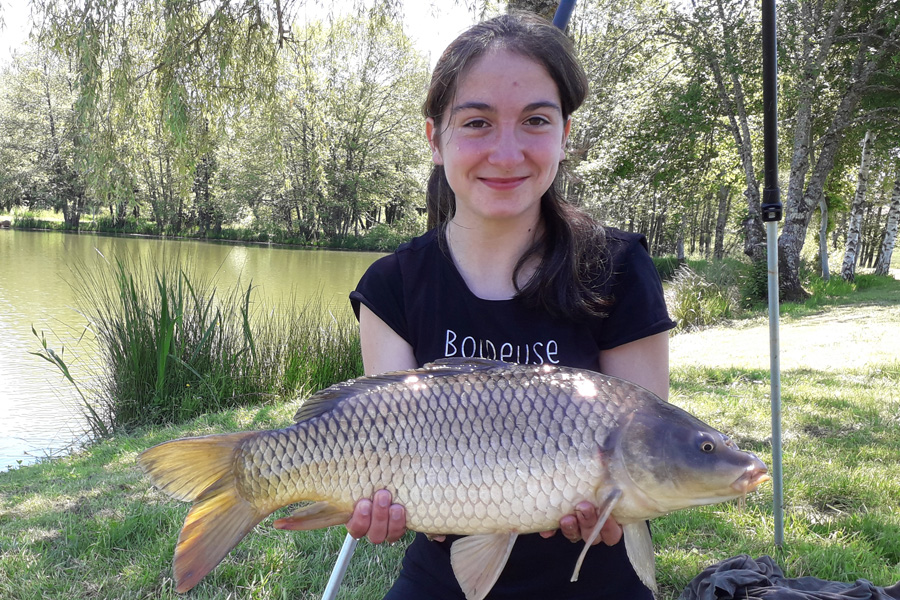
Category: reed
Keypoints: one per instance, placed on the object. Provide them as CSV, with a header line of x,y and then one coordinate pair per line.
x,y
173,345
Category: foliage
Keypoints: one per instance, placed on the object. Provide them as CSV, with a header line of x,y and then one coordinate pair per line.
x,y
186,118
754,283
171,348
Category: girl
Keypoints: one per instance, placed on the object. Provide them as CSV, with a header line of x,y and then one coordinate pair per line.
x,y
510,271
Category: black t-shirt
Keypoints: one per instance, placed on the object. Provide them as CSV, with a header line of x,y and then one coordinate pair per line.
x,y
418,292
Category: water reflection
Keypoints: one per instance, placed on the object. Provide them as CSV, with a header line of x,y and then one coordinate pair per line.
x,y
39,410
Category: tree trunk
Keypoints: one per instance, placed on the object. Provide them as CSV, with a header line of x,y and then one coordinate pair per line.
x,y
883,264
721,220
823,239
851,253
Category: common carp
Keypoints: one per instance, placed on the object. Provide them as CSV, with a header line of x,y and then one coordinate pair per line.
x,y
479,448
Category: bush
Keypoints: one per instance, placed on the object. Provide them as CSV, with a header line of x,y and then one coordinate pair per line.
x,y
753,283
695,302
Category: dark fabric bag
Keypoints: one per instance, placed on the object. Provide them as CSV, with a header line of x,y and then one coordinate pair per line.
x,y
743,578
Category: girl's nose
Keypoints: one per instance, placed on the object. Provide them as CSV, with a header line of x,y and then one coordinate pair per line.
x,y
507,149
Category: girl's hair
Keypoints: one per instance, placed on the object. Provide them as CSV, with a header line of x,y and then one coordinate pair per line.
x,y
564,282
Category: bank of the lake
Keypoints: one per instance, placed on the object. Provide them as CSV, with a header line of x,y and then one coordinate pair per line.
x,y
90,526
40,411
380,238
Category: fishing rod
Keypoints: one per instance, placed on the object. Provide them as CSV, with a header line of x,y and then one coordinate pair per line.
x,y
771,209
560,20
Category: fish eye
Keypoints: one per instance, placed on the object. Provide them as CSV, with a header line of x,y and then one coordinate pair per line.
x,y
707,446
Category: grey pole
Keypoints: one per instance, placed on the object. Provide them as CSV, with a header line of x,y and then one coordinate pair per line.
x,y
771,214
340,567
560,20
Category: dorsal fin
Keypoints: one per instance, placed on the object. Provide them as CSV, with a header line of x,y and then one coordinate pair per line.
x,y
323,401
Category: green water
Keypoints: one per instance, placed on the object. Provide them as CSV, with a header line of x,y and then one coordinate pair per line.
x,y
39,414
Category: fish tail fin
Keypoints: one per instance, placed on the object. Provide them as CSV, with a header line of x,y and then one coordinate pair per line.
x,y
201,470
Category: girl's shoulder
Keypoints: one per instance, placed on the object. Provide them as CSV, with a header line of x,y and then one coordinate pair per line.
x,y
617,243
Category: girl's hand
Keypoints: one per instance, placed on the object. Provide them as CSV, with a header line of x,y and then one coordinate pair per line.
x,y
378,519
578,526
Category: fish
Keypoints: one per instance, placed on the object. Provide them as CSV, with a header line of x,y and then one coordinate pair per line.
x,y
479,448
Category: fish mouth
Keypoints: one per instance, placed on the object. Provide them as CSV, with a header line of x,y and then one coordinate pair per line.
x,y
751,479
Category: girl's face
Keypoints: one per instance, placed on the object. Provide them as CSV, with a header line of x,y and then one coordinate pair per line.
x,y
501,139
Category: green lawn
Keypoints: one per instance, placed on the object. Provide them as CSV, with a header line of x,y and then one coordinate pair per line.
x,y
90,526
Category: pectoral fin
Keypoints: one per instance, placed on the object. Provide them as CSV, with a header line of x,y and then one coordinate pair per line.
x,y
641,554
604,510
314,516
478,560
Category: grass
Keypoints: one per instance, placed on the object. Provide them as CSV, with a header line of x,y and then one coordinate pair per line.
x,y
90,526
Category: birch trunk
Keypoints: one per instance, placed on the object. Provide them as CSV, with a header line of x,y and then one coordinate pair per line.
x,y
883,264
851,253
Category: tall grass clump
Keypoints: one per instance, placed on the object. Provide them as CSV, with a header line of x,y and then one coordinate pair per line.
x,y
695,302
172,347
666,266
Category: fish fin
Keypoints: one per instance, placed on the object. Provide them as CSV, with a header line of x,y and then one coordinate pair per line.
x,y
455,364
478,560
202,470
213,526
314,516
641,554
604,510
324,401
186,468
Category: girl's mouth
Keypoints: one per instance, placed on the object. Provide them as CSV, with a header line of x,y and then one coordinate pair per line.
x,y
503,183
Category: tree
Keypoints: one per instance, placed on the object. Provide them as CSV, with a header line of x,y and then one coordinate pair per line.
x,y
848,270
40,143
883,264
839,51
340,149
721,37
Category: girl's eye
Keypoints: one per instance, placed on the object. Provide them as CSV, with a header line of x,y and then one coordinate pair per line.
x,y
476,123
536,121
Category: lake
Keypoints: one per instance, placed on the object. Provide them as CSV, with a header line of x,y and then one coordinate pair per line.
x,y
39,409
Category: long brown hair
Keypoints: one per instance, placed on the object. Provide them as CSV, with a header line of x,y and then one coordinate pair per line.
x,y
569,250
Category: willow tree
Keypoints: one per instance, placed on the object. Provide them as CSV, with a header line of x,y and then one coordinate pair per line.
x,y
183,62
